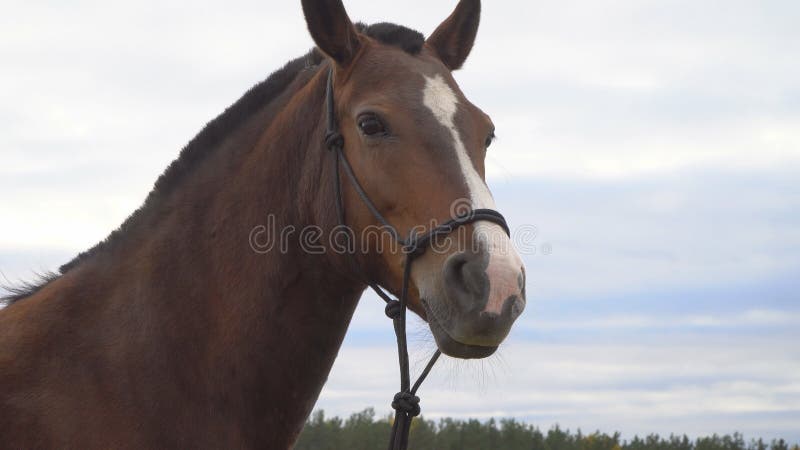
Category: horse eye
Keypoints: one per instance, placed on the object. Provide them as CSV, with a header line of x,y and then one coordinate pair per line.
x,y
371,125
490,139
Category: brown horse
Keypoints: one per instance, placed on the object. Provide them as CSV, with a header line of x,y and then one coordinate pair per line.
x,y
180,331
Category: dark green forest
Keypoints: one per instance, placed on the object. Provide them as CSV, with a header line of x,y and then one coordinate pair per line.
x,y
365,431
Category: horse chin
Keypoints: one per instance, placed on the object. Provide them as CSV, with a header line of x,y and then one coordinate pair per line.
x,y
452,347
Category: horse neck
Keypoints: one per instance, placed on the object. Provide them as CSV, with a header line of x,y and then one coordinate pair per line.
x,y
263,328
288,308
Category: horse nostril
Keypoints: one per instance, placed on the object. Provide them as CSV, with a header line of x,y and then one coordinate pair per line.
x,y
466,281
513,307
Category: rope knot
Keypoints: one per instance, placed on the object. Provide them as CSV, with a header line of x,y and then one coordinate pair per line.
x,y
334,139
393,309
413,248
406,402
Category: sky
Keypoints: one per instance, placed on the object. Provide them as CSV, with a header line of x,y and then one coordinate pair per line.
x,y
653,146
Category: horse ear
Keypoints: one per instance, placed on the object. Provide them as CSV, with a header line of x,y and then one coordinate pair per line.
x,y
331,29
453,39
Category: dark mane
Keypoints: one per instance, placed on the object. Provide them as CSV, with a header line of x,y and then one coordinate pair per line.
x,y
216,131
27,288
207,140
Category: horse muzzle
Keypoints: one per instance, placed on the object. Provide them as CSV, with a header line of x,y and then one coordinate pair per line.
x,y
480,298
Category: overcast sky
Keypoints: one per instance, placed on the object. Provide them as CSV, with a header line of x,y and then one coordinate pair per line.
x,y
654,145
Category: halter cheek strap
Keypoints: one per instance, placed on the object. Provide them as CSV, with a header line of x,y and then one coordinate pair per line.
x,y
406,401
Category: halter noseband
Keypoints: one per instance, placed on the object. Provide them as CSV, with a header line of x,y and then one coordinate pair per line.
x,y
406,402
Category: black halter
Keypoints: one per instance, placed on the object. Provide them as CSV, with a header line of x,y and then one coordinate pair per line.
x,y
406,402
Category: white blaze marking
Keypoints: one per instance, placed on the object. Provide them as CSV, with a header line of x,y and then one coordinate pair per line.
x,y
442,102
505,263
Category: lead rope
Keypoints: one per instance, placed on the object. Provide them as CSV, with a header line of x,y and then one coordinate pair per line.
x,y
406,401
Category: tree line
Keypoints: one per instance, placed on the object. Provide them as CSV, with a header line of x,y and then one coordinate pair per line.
x,y
363,431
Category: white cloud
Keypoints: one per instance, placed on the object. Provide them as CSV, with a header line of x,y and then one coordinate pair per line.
x,y
685,322
605,89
